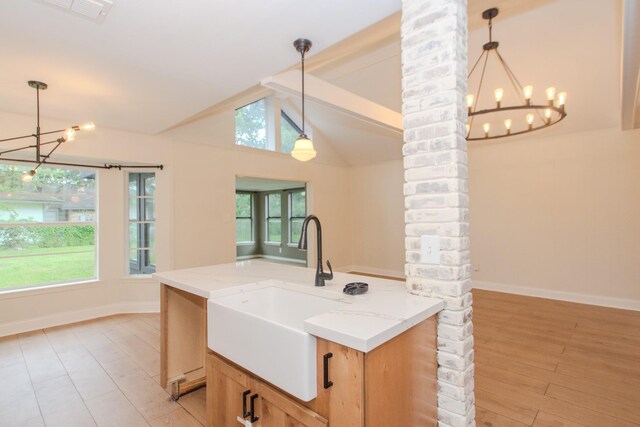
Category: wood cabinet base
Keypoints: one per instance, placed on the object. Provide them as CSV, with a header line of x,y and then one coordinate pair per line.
x,y
392,385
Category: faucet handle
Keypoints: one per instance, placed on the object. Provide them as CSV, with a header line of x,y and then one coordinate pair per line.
x,y
328,276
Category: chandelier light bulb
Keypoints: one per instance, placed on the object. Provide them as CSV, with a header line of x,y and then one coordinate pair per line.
x,y
69,135
562,99
530,118
486,128
551,94
547,114
507,125
469,99
87,126
527,91
499,93
28,176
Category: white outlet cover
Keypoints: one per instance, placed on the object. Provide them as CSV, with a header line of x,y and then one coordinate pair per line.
x,y
429,249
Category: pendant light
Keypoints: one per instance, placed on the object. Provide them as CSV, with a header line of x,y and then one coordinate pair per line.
x,y
303,148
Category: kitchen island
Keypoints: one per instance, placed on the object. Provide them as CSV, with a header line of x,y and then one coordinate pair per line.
x,y
382,343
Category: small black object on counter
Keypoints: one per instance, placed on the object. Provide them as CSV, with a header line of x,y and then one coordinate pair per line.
x,y
355,288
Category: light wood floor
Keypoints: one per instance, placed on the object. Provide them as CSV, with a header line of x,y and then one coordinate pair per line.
x,y
550,363
103,372
538,362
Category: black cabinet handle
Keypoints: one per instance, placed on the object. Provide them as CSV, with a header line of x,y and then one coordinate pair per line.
x,y
325,370
245,414
252,399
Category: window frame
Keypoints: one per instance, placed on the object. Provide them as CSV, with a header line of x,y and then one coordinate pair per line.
x,y
284,116
250,217
39,287
144,270
267,217
291,217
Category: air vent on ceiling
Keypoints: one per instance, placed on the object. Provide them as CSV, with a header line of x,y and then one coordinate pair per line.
x,y
96,10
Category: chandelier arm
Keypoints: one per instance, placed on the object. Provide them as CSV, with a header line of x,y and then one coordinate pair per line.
x,y
17,137
17,149
475,105
513,77
476,64
46,157
510,73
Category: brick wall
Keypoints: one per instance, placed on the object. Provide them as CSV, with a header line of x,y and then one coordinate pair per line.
x,y
434,83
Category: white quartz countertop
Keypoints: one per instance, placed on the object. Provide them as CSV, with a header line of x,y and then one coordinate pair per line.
x,y
366,322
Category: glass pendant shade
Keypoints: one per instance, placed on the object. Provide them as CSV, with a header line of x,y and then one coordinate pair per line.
x,y
303,149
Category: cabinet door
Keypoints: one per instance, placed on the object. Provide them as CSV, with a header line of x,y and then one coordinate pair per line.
x,y
277,410
228,393
342,402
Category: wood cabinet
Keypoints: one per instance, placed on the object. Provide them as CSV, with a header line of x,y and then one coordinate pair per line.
x,y
392,385
183,342
235,397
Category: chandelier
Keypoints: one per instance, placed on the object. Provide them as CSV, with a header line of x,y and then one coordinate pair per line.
x,y
527,116
66,135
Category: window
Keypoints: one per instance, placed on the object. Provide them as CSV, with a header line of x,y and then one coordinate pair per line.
x,y
289,132
47,226
251,125
244,218
142,217
297,212
274,218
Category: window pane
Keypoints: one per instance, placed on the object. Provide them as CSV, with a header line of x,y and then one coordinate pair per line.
x,y
251,125
243,205
274,202
288,133
133,209
149,184
54,195
243,230
149,209
38,255
133,185
298,204
274,230
133,236
296,229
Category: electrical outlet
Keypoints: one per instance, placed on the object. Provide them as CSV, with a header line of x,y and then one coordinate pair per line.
x,y
429,249
476,267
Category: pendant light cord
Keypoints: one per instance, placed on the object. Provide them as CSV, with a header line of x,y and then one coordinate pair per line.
x,y
302,54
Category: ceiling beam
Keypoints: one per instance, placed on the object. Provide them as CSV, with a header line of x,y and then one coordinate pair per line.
x,y
321,92
630,79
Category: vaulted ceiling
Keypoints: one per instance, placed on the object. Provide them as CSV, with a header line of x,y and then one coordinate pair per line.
x,y
154,64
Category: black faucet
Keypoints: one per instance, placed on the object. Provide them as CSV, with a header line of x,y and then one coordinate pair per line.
x,y
321,276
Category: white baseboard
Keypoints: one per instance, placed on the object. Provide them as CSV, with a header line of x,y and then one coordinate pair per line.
x,y
600,300
67,317
372,270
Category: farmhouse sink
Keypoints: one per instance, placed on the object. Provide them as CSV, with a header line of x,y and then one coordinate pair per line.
x,y
262,330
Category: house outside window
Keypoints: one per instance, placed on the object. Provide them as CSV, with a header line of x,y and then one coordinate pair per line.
x,y
244,218
297,213
47,226
274,218
142,219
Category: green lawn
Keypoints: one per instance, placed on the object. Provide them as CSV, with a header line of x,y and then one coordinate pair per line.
x,y
51,266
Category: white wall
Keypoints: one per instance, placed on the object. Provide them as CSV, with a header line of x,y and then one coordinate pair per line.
x,y
377,221
195,213
551,216
558,216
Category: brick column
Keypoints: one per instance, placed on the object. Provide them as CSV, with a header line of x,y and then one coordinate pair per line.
x,y
434,84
